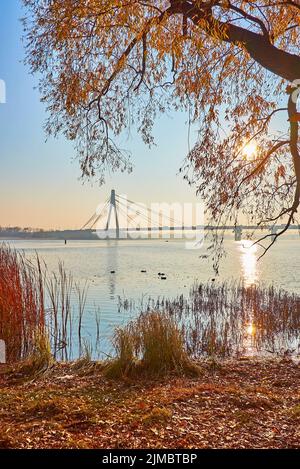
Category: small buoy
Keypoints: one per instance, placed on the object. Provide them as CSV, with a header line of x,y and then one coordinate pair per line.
x,y
112,271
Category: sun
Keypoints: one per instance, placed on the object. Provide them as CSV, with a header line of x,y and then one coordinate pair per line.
x,y
250,150
250,329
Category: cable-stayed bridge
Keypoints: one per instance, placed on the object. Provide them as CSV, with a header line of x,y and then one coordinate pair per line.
x,y
132,216
128,217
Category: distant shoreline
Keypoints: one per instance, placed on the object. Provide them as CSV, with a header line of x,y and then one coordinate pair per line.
x,y
85,235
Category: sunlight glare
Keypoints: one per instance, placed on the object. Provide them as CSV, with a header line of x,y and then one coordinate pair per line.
x,y
249,261
250,150
250,329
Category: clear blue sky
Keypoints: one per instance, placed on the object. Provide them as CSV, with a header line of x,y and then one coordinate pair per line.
x,y
39,181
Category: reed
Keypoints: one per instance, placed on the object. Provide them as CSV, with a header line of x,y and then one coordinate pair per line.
x,y
65,304
82,297
59,287
22,310
37,307
225,319
161,344
216,320
228,318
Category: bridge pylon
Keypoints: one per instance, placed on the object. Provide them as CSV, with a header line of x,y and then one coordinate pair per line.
x,y
238,231
113,207
273,230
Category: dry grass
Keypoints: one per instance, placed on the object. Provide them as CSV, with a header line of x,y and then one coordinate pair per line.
x,y
211,322
125,362
295,411
215,317
22,310
152,344
36,308
157,415
40,359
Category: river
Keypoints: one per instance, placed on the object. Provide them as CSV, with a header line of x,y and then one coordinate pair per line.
x,y
118,270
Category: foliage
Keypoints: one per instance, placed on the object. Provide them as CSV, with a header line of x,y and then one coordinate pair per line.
x,y
108,65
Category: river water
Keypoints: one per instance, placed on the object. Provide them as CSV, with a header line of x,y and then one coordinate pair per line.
x,y
113,271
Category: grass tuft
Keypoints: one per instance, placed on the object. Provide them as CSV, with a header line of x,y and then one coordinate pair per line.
x,y
157,415
124,341
153,345
40,359
295,411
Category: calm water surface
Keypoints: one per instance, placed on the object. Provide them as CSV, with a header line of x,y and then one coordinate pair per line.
x,y
93,261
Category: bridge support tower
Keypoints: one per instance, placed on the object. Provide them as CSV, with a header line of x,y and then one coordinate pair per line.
x,y
113,207
238,231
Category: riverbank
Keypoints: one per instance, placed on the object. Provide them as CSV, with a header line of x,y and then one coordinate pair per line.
x,y
245,403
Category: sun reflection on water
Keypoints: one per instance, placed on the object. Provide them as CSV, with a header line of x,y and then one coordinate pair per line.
x,y
248,252
249,338
249,262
